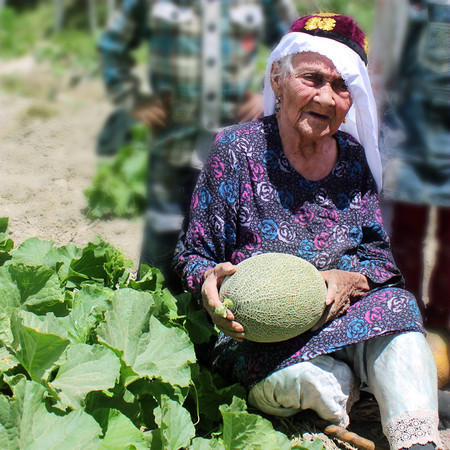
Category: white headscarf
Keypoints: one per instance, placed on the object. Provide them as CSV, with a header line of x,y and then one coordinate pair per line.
x,y
361,118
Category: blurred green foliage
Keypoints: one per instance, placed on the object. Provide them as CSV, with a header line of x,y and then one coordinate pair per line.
x,y
31,30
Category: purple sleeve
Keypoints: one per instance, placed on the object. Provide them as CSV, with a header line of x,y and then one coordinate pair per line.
x,y
212,218
374,253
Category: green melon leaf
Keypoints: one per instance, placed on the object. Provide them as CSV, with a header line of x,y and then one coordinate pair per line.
x,y
165,353
175,425
195,320
126,322
88,309
212,391
75,431
33,288
6,336
206,444
87,368
60,258
17,413
32,252
26,423
48,324
38,352
121,432
242,430
7,360
9,292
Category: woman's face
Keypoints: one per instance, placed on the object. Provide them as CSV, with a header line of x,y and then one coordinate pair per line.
x,y
314,97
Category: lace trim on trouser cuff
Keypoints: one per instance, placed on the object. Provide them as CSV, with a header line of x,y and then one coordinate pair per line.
x,y
413,427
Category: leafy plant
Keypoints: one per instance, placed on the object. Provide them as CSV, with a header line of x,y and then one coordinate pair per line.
x,y
90,358
118,188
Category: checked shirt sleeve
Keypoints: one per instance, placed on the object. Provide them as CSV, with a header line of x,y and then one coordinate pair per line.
x,y
279,16
124,33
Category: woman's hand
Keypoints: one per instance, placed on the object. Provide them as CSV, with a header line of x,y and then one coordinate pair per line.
x,y
343,289
210,297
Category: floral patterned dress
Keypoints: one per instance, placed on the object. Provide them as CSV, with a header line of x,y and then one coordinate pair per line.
x,y
250,200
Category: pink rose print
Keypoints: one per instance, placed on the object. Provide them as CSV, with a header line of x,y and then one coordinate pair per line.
x,y
256,170
382,273
321,240
237,257
304,216
378,216
381,297
374,315
330,216
364,202
218,136
253,240
191,281
354,306
194,201
197,232
246,193
217,167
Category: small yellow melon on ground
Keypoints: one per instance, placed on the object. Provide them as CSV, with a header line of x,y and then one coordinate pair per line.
x,y
275,296
439,343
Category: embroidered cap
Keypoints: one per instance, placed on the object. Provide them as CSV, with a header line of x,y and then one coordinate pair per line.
x,y
335,26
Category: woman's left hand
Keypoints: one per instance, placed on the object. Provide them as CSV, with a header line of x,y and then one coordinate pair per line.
x,y
343,289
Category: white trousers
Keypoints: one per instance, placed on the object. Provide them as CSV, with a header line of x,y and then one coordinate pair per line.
x,y
398,369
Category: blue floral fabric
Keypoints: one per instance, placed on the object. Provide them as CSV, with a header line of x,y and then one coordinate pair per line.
x,y
250,200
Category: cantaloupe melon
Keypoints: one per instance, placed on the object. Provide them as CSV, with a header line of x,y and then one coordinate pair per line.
x,y
274,296
440,347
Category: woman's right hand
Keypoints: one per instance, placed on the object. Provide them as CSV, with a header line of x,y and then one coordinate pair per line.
x,y
210,298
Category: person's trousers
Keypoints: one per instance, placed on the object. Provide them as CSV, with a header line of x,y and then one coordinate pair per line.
x,y
398,370
169,192
408,233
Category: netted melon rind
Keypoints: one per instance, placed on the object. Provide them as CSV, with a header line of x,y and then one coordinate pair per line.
x,y
275,296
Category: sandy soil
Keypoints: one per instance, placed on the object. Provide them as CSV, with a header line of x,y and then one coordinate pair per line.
x,y
49,126
48,136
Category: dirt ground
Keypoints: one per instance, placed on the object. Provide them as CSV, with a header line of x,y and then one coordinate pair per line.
x,y
48,134
48,129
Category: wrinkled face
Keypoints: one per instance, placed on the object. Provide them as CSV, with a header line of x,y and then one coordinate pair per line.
x,y
314,97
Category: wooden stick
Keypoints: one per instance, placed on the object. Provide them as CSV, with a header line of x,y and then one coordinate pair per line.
x,y
349,437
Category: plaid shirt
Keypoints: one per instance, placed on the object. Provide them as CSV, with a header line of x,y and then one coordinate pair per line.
x,y
201,52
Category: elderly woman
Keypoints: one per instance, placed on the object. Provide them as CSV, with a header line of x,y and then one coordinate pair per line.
x,y
304,181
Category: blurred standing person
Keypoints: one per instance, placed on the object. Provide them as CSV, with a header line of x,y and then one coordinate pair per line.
x,y
410,62
202,61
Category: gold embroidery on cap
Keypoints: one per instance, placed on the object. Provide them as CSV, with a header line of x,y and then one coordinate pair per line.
x,y
326,14
366,45
326,24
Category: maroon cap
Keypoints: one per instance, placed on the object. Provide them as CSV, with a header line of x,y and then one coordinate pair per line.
x,y
334,26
